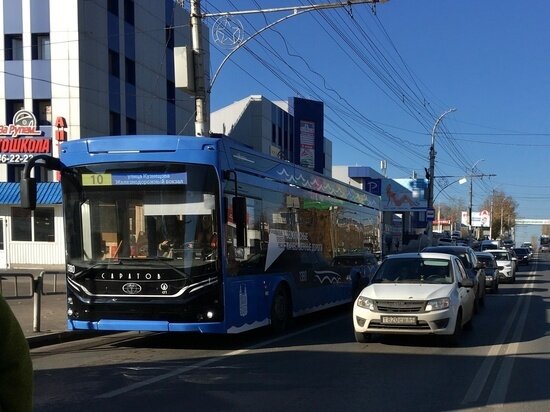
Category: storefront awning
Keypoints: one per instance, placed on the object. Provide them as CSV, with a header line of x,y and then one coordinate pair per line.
x,y
47,193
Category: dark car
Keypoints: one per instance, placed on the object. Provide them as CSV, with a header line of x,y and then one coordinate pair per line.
x,y
491,270
523,255
473,267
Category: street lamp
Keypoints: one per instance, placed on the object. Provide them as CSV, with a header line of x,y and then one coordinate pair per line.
x,y
431,173
460,181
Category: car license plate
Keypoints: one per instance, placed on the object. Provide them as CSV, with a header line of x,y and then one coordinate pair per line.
x,y
399,320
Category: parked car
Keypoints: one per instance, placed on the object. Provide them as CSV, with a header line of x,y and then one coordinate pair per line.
x,y
360,267
491,270
523,255
473,268
506,265
416,293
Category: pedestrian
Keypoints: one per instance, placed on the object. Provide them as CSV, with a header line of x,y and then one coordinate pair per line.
x,y
16,375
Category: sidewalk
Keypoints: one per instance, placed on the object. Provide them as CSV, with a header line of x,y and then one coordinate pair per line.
x,y
53,308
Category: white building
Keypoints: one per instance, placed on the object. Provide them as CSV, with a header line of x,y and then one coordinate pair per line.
x,y
106,67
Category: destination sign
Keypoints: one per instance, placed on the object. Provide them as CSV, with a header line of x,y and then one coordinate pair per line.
x,y
133,179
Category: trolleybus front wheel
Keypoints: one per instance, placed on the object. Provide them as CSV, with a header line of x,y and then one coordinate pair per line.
x,y
281,310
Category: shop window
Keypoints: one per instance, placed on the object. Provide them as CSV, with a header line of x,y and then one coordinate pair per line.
x,y
44,230
27,226
13,47
41,46
21,225
42,109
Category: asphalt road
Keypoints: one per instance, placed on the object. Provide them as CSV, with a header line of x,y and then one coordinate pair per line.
x,y
503,363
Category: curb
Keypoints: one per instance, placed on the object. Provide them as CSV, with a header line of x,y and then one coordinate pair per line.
x,y
55,338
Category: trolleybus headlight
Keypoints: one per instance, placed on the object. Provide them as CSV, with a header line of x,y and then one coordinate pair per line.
x,y
209,314
70,300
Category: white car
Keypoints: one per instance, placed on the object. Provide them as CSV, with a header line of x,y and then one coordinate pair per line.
x,y
416,294
506,264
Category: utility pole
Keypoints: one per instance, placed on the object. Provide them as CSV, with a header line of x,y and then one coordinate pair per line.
x,y
481,175
202,115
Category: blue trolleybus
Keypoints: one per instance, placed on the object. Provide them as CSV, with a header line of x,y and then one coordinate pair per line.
x,y
195,234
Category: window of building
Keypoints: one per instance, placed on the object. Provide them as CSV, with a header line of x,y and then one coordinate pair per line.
x,y
12,107
130,70
114,123
169,37
38,226
129,11
114,63
21,225
170,91
44,230
42,109
13,47
112,6
131,127
41,46
15,171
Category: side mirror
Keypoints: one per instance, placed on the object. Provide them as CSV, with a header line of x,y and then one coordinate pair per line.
x,y
466,283
28,193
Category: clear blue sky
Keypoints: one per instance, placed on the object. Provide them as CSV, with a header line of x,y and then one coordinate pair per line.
x,y
385,78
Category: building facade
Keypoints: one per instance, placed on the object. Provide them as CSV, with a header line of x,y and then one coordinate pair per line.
x,y
290,130
105,67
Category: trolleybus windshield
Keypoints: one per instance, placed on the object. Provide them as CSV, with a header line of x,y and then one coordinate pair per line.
x,y
136,212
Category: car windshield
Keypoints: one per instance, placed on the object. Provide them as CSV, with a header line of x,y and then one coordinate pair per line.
x,y
500,255
414,270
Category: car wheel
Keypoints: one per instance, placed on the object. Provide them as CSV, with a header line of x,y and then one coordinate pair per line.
x,y
513,279
363,337
281,310
454,338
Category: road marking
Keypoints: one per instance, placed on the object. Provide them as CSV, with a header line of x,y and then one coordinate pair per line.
x,y
500,387
210,361
480,380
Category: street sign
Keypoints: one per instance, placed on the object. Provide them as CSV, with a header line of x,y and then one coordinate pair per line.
x,y
430,214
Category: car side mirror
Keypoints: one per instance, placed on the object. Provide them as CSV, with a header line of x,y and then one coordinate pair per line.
x,y
466,283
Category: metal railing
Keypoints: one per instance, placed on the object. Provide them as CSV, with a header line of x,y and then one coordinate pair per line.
x,y
27,286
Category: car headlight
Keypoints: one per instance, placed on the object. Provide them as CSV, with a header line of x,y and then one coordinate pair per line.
x,y
438,304
366,303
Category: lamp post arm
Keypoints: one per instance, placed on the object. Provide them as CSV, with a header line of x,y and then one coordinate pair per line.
x,y
296,11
